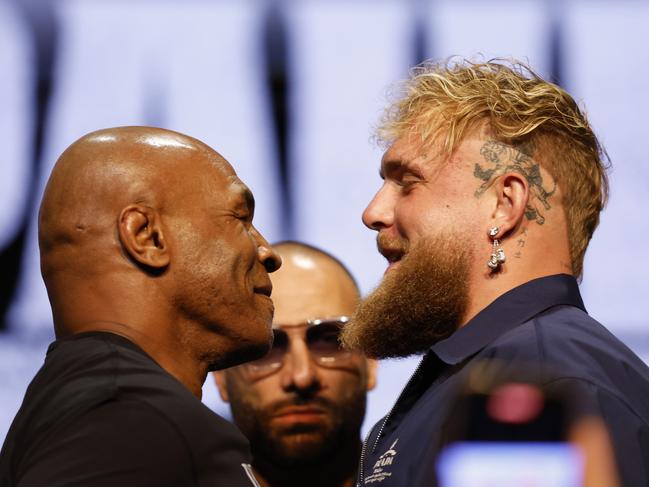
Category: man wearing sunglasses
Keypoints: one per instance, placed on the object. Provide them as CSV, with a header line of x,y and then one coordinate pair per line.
x,y
302,405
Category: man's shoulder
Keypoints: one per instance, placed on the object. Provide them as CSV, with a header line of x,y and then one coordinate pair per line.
x,y
566,335
127,441
117,370
101,376
91,369
569,345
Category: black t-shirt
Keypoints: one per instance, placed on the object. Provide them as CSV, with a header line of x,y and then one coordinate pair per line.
x,y
101,412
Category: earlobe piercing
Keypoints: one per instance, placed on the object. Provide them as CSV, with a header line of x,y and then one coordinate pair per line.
x,y
498,253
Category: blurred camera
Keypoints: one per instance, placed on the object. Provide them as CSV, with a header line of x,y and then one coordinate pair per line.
x,y
507,430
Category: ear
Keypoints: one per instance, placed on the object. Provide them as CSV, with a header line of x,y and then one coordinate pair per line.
x,y
141,235
221,381
512,193
371,365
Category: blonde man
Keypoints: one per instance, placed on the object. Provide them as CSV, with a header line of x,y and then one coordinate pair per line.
x,y
492,186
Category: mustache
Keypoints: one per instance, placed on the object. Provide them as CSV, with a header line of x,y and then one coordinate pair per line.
x,y
314,401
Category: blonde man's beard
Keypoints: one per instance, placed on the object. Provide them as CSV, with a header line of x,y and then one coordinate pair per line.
x,y
420,302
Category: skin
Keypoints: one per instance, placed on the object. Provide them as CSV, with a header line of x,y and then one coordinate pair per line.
x,y
427,193
148,234
309,285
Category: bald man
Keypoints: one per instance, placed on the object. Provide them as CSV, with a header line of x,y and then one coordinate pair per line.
x,y
302,405
156,276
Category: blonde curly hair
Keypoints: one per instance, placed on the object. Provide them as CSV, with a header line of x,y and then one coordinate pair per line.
x,y
445,101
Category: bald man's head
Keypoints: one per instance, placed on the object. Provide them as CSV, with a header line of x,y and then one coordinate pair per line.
x,y
150,229
103,172
311,283
302,405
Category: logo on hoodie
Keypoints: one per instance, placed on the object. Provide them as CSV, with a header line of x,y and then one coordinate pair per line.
x,y
381,468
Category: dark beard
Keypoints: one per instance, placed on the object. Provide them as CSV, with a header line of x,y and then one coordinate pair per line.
x,y
299,446
419,303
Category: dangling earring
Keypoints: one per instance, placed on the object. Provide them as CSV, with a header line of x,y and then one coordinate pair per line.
x,y
497,254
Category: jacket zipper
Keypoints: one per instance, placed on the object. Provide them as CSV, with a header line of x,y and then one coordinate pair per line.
x,y
361,474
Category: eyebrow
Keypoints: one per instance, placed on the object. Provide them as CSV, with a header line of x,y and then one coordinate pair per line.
x,y
398,167
390,166
248,199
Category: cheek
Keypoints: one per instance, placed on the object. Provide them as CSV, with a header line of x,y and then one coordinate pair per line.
x,y
232,251
422,219
344,384
242,258
263,393
409,218
452,212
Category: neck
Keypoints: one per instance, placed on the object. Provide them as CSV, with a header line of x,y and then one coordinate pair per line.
x,y
521,266
173,358
130,306
190,373
339,471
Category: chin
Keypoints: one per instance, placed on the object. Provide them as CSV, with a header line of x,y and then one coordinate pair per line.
x,y
242,351
301,450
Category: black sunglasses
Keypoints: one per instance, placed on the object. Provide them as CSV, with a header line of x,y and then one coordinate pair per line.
x,y
321,337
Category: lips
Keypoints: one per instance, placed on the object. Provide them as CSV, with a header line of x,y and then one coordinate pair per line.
x,y
391,249
296,410
299,414
266,289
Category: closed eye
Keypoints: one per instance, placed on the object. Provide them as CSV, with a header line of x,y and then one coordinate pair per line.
x,y
408,182
246,218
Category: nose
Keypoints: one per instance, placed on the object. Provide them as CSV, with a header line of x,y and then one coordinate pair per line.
x,y
299,371
380,211
267,255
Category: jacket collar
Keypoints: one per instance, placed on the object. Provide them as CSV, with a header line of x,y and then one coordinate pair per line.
x,y
508,311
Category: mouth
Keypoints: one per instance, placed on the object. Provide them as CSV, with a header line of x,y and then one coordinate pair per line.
x,y
299,414
265,289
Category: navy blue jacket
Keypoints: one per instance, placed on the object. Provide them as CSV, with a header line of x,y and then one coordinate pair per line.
x,y
540,324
